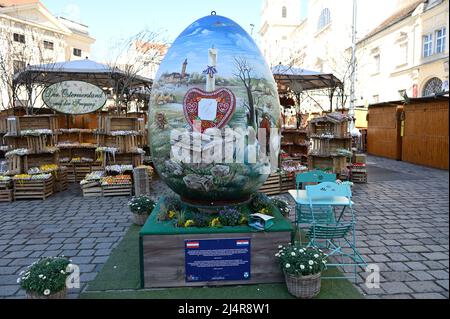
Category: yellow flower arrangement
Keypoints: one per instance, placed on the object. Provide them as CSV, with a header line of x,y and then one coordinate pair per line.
x,y
172,214
189,223
215,222
264,211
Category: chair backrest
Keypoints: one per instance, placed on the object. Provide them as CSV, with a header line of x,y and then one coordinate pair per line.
x,y
328,189
315,176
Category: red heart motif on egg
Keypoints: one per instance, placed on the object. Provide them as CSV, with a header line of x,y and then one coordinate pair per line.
x,y
213,109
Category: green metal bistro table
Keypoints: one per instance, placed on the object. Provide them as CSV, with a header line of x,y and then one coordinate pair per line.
x,y
301,199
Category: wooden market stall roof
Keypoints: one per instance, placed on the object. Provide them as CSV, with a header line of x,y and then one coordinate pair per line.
x,y
82,70
305,80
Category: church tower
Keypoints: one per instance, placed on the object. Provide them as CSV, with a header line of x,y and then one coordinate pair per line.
x,y
183,69
278,19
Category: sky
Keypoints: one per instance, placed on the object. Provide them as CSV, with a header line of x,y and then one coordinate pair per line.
x,y
110,21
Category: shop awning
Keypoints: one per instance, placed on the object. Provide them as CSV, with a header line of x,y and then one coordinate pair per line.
x,y
299,79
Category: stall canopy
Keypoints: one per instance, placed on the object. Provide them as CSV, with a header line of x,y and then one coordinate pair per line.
x,y
303,80
81,70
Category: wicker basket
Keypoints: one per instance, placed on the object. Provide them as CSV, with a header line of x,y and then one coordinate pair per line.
x,y
303,287
140,219
58,295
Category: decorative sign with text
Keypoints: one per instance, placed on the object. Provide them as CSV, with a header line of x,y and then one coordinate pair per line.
x,y
74,97
217,259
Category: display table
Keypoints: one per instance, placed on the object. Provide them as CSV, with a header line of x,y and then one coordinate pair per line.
x,y
162,251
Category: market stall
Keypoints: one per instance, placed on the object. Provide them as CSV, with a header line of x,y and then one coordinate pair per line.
x,y
79,138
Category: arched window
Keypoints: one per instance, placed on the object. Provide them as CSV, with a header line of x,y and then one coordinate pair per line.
x,y
284,12
324,19
433,86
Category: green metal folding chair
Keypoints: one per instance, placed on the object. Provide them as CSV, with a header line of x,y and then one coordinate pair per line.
x,y
338,235
303,216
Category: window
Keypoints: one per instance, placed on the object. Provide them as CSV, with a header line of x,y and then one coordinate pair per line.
x,y
18,66
324,19
376,64
376,98
433,86
19,38
440,40
48,45
76,52
284,12
403,53
427,45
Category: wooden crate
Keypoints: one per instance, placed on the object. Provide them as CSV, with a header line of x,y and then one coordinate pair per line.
x,y
36,160
3,125
117,190
121,124
272,186
33,189
6,195
336,163
61,180
287,182
16,164
92,191
141,180
17,124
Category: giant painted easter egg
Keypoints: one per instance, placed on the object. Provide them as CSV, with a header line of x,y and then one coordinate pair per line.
x,y
214,115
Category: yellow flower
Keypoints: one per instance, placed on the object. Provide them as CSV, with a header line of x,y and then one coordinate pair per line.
x,y
189,223
215,222
243,220
172,214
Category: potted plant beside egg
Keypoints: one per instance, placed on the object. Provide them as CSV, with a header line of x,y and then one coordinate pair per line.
x,y
302,268
141,207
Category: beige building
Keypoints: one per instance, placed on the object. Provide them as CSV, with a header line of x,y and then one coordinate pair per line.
x,y
406,53
30,34
321,41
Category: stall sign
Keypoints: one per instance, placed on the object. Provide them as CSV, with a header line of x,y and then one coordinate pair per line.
x,y
217,260
74,97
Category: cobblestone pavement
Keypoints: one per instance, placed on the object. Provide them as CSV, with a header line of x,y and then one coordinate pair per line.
x,y
402,216
403,226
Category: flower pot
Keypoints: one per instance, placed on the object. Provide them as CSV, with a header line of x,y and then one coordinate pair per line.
x,y
140,219
305,287
57,295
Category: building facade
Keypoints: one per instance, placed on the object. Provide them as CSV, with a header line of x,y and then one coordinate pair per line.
x,y
321,40
406,56
30,35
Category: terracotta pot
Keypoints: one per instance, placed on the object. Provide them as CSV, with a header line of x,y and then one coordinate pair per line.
x,y
305,287
140,219
58,295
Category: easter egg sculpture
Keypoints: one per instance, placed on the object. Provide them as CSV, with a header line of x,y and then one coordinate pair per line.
x,y
212,90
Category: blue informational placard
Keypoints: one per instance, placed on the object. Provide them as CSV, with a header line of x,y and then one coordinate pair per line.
x,y
217,259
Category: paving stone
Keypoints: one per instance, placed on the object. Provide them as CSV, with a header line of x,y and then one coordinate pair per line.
x,y
396,288
439,274
6,291
398,266
422,275
397,276
429,295
443,284
435,256
424,286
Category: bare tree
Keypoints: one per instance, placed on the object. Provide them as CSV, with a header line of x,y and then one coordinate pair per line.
x,y
138,55
19,51
244,74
